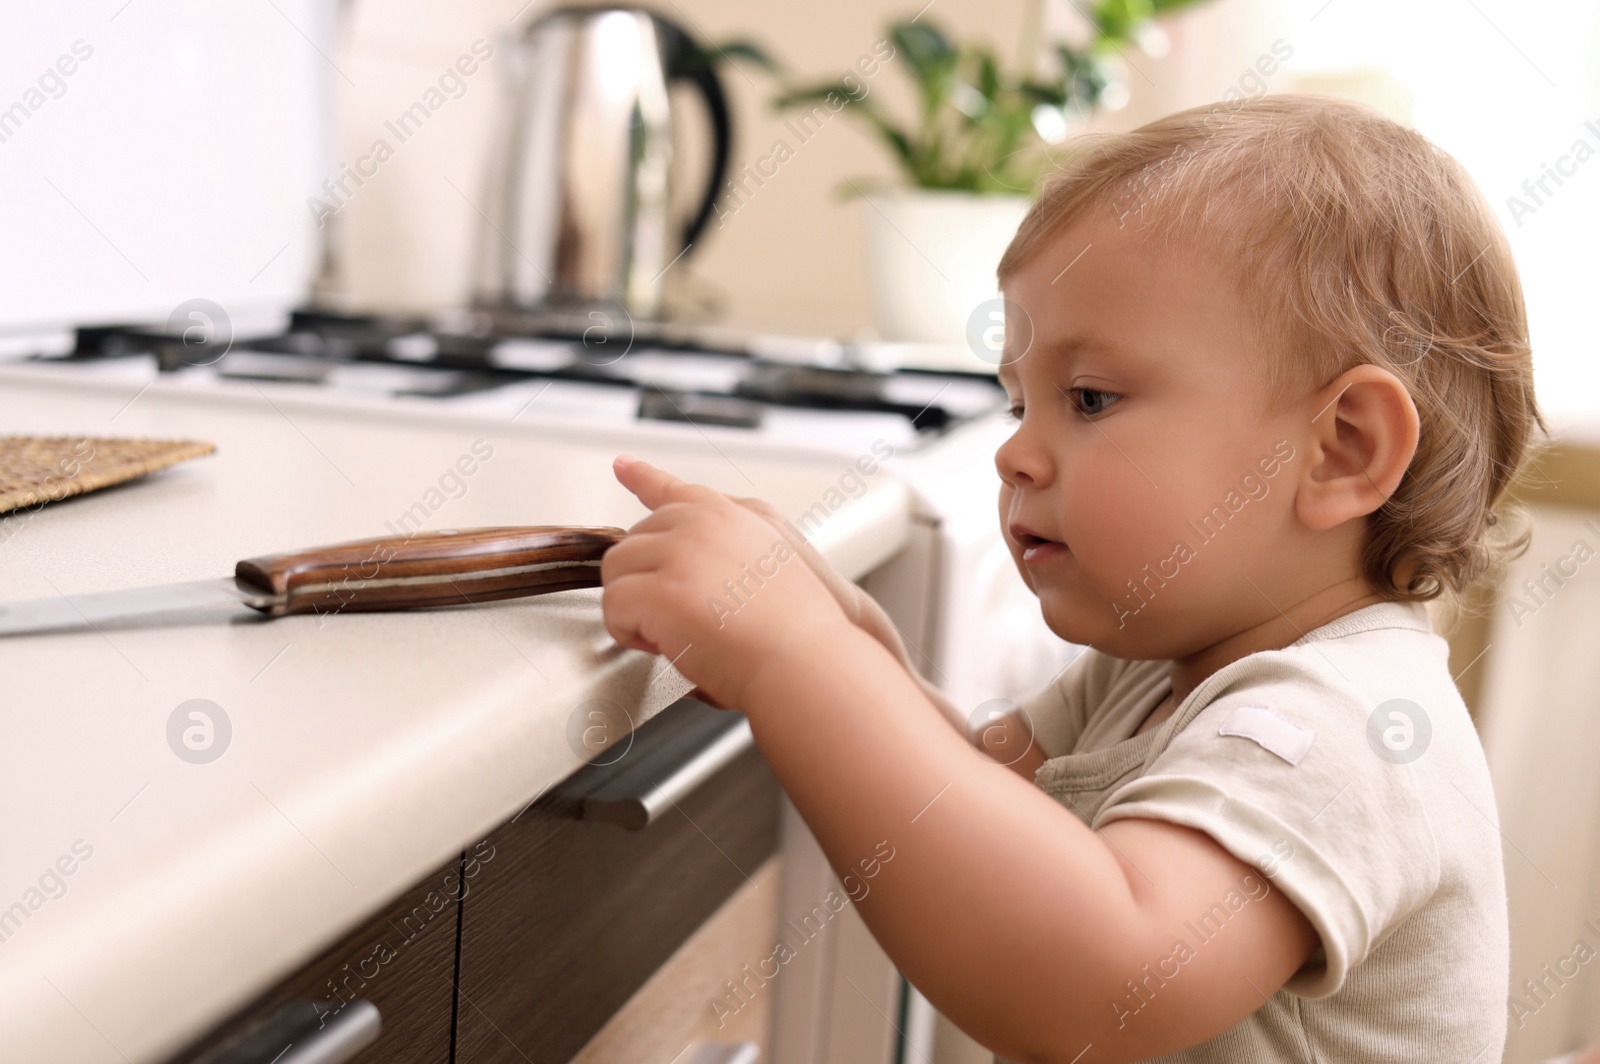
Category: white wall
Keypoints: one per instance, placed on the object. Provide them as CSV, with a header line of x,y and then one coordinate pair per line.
x,y
791,255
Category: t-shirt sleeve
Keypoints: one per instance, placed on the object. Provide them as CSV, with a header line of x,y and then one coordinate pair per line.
x,y
1279,771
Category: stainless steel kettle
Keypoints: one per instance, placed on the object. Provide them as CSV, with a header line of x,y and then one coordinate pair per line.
x,y
580,172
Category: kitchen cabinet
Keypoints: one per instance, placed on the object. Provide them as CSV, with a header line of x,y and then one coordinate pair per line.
x,y
573,916
401,961
529,942
671,1010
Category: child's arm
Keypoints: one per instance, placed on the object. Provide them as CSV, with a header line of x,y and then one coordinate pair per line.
x,y
1012,917
1026,928
1000,739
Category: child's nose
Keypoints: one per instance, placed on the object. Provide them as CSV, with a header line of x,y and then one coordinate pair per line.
x,y
1022,462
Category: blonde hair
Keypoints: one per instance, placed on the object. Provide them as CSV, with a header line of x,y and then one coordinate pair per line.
x,y
1361,243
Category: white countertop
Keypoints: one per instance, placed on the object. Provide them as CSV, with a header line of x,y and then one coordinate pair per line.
x,y
366,748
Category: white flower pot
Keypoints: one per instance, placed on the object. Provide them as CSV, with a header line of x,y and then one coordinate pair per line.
x,y
931,257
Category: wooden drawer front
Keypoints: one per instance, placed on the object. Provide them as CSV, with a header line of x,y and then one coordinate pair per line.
x,y
671,1012
573,916
402,960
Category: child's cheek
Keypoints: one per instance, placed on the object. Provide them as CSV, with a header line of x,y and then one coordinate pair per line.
x,y
1113,520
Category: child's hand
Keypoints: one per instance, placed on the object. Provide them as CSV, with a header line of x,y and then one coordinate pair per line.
x,y
863,611
856,603
709,584
1009,740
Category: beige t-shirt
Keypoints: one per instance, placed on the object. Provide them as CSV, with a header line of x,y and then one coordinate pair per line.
x,y
1345,767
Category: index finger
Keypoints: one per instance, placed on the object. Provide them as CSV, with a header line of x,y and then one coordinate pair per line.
x,y
652,486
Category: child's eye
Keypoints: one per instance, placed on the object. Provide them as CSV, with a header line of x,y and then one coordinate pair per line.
x,y
1014,412
1091,402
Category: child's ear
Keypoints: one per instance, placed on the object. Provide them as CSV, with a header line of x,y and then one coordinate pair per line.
x,y
1363,435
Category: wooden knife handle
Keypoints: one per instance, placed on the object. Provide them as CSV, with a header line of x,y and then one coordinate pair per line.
x,y
430,568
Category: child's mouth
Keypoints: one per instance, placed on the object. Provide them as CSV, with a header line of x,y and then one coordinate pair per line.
x,y
1036,550
1043,551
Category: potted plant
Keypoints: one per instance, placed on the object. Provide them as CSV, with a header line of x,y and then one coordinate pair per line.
x,y
982,134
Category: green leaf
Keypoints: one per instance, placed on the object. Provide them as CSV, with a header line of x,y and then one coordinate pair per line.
x,y
729,50
988,74
1084,79
898,141
926,50
856,100
1039,92
812,93
1117,19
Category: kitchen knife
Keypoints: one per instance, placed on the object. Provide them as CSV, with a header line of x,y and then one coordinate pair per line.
x,y
388,573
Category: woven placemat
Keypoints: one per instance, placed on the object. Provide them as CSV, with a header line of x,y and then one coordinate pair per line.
x,y
40,469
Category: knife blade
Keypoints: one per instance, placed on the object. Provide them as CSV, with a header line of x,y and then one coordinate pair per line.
x,y
449,567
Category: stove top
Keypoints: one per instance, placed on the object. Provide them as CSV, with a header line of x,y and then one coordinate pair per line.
x,y
595,366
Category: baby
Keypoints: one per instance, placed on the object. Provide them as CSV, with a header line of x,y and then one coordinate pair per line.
x,y
1269,368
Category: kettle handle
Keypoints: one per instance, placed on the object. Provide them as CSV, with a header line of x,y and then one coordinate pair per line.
x,y
685,61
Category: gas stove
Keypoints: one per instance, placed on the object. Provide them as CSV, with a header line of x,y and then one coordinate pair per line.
x,y
595,367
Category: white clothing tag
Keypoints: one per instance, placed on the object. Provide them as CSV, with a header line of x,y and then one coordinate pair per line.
x,y
1273,733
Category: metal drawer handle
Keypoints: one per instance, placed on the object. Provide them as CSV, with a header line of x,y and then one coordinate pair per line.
x,y
351,1030
725,1053
301,1032
672,754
